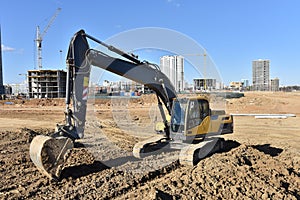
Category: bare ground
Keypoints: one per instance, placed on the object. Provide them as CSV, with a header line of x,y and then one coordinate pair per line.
x,y
261,160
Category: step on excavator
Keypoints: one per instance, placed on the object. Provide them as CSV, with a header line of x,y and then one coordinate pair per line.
x,y
188,123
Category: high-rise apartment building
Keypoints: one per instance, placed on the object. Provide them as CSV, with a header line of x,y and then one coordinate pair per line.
x,y
261,75
173,68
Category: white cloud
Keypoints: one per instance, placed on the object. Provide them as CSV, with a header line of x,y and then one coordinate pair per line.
x,y
174,3
6,48
118,26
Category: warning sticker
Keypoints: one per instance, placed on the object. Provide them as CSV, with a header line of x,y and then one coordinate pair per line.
x,y
85,81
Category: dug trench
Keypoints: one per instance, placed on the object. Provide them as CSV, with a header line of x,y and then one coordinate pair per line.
x,y
241,171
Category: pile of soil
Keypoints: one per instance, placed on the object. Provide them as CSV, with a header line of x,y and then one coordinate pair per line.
x,y
246,171
243,171
34,102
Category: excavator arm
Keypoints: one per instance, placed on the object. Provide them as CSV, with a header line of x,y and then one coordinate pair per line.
x,y
81,58
49,153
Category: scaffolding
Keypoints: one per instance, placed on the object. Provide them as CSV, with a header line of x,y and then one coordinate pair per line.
x,y
46,83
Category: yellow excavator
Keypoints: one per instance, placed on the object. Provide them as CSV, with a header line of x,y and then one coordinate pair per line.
x,y
189,124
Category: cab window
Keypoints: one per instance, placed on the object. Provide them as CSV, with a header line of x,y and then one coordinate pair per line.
x,y
198,110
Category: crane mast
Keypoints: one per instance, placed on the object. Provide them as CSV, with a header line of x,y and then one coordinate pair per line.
x,y
204,64
40,36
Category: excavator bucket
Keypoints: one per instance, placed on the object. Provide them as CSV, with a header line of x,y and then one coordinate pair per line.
x,y
49,154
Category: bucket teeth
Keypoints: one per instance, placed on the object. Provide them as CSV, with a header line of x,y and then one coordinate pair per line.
x,y
49,154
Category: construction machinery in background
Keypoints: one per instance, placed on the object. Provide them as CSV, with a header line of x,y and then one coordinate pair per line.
x,y
190,119
40,36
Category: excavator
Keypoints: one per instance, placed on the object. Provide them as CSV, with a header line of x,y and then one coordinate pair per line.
x,y
188,123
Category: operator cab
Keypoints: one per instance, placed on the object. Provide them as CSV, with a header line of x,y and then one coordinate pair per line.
x,y
189,118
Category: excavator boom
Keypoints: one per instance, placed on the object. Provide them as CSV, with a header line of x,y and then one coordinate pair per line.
x,y
48,153
81,58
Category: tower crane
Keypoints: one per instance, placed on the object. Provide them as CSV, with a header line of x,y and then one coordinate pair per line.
x,y
204,63
40,36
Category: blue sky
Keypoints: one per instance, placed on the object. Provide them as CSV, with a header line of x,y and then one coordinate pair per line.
x,y
234,32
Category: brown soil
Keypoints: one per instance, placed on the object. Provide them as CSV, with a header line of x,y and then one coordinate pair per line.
x,y
261,160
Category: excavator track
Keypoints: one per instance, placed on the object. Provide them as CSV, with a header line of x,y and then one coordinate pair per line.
x,y
146,147
49,154
193,153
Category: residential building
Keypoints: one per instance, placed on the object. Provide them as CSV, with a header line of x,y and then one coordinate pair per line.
x,y
8,90
118,88
245,83
261,75
236,85
173,68
274,84
18,88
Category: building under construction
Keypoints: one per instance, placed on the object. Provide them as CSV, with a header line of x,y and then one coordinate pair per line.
x,y
205,84
46,83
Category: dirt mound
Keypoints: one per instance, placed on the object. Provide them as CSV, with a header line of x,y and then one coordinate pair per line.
x,y
253,171
34,102
246,171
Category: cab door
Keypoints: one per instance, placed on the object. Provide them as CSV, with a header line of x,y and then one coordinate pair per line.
x,y
197,117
